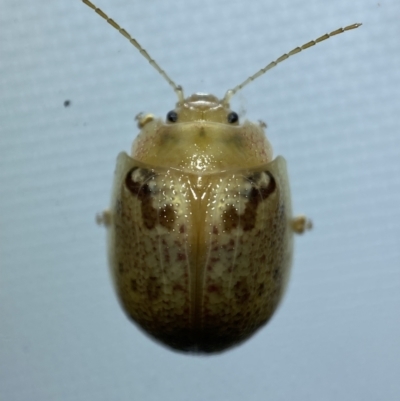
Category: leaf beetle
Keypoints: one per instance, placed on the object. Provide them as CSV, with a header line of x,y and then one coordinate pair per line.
x,y
200,228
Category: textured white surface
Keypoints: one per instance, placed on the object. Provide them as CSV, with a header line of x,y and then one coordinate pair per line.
x,y
333,112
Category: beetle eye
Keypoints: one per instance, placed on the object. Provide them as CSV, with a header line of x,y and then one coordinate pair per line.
x,y
232,117
172,116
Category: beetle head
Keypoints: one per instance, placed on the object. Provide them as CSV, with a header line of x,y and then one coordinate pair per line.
x,y
202,107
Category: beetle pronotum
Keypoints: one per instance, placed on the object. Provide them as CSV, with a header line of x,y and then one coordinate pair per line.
x,y
200,228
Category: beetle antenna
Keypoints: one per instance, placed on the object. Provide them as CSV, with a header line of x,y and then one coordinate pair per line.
x,y
285,56
177,88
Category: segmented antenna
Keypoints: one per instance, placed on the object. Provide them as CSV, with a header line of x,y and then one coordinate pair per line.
x,y
177,88
228,95
285,56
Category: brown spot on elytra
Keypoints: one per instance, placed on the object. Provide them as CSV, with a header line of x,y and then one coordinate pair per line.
x,y
277,274
133,285
165,216
261,290
258,193
153,288
248,219
241,290
228,247
230,217
213,288
178,287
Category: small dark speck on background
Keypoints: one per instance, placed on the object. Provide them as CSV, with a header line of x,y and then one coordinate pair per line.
x,y
67,103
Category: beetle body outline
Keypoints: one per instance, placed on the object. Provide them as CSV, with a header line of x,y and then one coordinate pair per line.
x,y
200,229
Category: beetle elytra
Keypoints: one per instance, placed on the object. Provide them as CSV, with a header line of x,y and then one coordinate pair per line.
x,y
200,228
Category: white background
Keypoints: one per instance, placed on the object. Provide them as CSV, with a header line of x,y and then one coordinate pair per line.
x,y
332,111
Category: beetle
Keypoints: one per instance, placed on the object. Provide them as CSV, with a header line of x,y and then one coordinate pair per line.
x,y
200,228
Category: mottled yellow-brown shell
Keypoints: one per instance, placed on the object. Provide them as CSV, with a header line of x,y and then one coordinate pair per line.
x,y
200,235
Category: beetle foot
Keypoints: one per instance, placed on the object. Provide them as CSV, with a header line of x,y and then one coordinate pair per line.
x,y
301,223
104,219
143,119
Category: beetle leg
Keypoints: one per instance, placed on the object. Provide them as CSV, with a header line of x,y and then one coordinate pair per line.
x,y
104,218
301,224
142,119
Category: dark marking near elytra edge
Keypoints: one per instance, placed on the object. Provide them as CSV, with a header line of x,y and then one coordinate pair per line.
x,y
167,217
242,290
134,285
121,269
164,216
257,194
153,288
